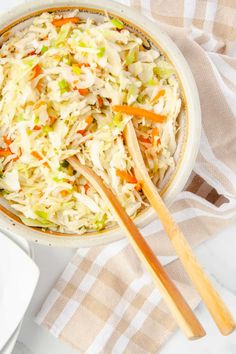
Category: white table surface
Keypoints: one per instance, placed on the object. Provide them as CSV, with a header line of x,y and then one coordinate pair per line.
x,y
217,255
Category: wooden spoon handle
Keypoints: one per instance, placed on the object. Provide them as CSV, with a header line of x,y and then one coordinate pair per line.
x,y
210,297
183,314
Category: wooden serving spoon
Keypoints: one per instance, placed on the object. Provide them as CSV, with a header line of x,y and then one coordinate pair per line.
x,y
183,314
210,297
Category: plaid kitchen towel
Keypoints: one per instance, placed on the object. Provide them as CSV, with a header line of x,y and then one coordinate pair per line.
x,y
105,302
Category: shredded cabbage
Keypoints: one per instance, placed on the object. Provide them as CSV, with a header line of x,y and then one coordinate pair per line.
x,y
58,85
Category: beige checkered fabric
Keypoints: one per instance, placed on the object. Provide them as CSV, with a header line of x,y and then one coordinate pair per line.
x,y
105,302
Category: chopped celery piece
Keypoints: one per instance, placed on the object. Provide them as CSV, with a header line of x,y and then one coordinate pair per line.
x,y
82,44
101,52
117,120
131,57
152,82
36,222
31,62
131,91
36,120
64,86
56,179
76,69
47,129
162,71
63,34
21,117
100,224
44,49
41,214
117,23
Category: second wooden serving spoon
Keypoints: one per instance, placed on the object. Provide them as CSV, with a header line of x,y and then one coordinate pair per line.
x,y
209,295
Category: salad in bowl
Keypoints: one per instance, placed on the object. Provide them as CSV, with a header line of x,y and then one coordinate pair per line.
x,y
69,85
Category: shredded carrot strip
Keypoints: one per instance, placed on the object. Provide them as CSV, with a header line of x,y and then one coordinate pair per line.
x,y
84,91
31,53
126,176
5,152
138,187
135,111
155,132
36,71
17,157
122,136
89,121
52,120
158,95
63,21
39,85
144,140
100,101
38,104
86,188
37,127
36,155
6,140
87,65
46,164
64,193
82,131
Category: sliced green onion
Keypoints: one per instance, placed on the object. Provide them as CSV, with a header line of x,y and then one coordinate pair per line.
x,y
117,23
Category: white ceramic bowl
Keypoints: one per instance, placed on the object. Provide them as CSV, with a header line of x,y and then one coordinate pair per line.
x,y
190,120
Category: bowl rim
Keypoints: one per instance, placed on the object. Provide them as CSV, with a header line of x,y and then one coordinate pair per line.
x,y
192,108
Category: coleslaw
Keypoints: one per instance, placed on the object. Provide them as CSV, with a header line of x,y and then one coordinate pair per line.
x,y
69,87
